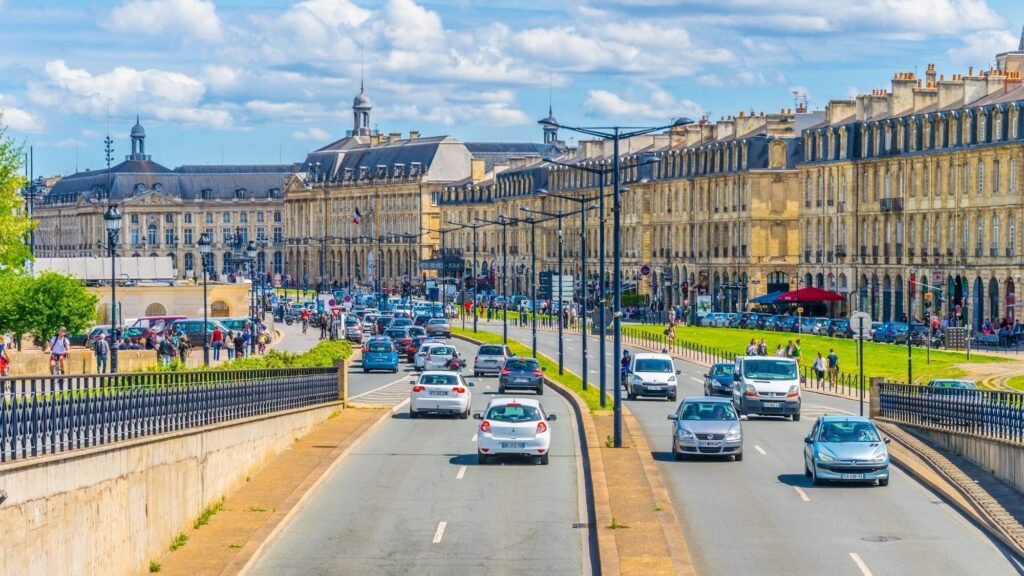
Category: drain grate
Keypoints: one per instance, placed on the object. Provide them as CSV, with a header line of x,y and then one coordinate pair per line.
x,y
877,539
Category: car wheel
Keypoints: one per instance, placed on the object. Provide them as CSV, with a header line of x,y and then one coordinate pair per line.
x,y
394,370
544,460
482,458
883,482
796,417
366,370
629,394
739,457
676,455
413,414
807,471
672,398
814,476
501,389
464,415
540,390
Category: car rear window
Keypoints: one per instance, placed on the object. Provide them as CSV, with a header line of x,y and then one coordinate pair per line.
x,y
395,333
492,351
513,413
442,351
435,379
380,347
438,321
522,364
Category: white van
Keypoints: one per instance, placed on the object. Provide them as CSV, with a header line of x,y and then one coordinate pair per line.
x,y
767,386
652,374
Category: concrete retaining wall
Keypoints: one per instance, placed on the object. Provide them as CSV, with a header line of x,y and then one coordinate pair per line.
x,y
110,510
1003,459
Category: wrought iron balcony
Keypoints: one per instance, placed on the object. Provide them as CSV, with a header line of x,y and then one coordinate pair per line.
x,y
891,204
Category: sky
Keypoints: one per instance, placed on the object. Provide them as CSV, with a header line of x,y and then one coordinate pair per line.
x,y
263,81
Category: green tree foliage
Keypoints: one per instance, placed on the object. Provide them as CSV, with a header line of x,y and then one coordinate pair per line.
x,y
14,223
50,300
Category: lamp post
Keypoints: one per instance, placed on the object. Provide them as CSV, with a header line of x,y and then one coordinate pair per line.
x,y
112,221
250,254
616,134
505,222
476,287
444,267
204,244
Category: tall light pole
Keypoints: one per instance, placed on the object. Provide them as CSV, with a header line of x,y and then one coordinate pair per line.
x,y
204,244
476,287
250,254
615,134
444,267
504,222
112,221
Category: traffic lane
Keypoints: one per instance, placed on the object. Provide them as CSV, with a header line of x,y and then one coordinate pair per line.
x,y
381,510
900,529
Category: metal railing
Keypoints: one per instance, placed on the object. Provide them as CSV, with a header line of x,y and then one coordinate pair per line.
x,y
988,413
48,415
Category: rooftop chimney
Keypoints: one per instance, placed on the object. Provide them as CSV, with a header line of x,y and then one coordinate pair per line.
x,y
414,134
930,75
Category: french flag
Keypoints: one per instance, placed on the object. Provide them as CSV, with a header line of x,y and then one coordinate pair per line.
x,y
357,217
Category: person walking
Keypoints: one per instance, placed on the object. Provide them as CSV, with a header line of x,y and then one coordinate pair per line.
x,y
789,349
184,346
752,347
229,344
819,369
5,357
795,352
762,348
102,350
780,352
166,350
239,343
217,339
833,367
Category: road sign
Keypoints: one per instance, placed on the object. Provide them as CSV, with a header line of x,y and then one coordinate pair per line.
x,y
800,310
645,270
857,318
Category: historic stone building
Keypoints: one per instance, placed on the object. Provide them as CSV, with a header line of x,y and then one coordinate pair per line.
x,y
917,189
164,211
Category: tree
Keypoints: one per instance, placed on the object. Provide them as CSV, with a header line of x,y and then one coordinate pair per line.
x,y
49,301
14,223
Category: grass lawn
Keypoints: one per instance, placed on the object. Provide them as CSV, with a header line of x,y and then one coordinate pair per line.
x,y
885,360
1016,382
592,396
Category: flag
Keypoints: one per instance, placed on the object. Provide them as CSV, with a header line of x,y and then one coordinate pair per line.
x,y
356,217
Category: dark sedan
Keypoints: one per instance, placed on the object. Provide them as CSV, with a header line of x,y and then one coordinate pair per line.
x,y
521,374
402,340
719,380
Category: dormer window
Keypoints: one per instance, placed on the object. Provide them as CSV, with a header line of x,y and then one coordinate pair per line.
x,y
364,172
347,177
240,194
398,171
382,171
274,193
206,193
414,169
158,188
140,188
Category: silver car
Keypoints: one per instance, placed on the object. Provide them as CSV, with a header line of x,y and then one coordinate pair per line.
x,y
706,426
438,357
439,327
490,358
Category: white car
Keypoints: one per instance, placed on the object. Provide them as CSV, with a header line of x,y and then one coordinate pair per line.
x,y
420,361
438,357
652,374
439,392
490,358
516,426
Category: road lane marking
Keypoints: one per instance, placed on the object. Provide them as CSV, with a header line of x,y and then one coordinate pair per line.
x,y
440,532
462,472
761,450
860,564
697,380
474,438
803,495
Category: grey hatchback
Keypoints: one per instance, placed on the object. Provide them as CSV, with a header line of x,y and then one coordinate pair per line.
x,y
706,426
521,374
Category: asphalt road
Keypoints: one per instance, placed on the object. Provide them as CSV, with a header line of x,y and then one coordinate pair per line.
x,y
762,516
413,500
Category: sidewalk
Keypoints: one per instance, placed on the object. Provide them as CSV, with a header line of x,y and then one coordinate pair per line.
x,y
253,515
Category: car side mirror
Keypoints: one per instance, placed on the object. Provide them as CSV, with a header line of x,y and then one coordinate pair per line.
x,y
705,375
552,417
678,372
673,416
807,440
470,384
887,440
744,417
736,376
478,416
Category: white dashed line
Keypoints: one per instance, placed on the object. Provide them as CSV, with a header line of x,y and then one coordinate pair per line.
x,y
462,472
473,438
761,450
860,564
803,495
697,380
440,532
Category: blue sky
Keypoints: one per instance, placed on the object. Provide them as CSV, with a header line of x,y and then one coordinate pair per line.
x,y
255,81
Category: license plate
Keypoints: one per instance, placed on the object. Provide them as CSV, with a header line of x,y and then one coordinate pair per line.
x,y
655,388
710,444
522,380
853,476
513,445
438,393
772,404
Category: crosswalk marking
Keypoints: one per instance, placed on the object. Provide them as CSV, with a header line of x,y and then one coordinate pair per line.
x,y
386,395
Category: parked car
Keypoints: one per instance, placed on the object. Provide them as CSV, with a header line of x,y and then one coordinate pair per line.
x,y
440,393
490,358
439,327
514,426
840,328
521,373
105,329
236,324
718,380
379,353
819,326
846,449
878,334
706,426
193,329
651,374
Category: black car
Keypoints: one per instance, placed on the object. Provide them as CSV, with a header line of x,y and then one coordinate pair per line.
x,y
719,379
402,340
422,319
383,323
520,373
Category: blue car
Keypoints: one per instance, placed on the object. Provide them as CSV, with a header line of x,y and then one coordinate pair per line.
x,y
846,449
719,380
380,354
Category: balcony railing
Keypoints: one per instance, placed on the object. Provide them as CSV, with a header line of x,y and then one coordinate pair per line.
x,y
840,251
993,251
841,206
891,204
807,256
1009,252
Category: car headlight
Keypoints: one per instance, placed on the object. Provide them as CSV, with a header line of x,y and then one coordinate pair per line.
x,y
638,380
684,434
825,457
734,434
794,390
672,379
879,458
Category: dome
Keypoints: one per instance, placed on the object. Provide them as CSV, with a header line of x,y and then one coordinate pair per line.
x,y
138,131
362,101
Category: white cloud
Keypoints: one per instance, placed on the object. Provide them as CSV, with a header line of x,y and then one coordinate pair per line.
x,y
312,133
980,47
87,133
19,120
656,104
172,18
69,143
710,80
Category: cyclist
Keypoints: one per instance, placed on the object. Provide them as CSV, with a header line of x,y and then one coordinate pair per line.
x,y
625,366
305,320
59,348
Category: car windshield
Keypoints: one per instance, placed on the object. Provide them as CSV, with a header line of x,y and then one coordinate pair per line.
x,y
513,413
770,369
848,432
442,351
653,365
395,333
439,379
522,365
723,370
491,351
380,347
438,321
707,411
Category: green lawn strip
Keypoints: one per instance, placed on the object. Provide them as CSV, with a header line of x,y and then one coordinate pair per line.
x,y
880,360
592,396
1016,382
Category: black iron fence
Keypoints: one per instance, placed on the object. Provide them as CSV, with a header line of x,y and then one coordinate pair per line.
x,y
989,413
47,415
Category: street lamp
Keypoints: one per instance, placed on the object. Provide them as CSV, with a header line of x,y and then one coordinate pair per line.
x,y
444,267
615,134
112,221
476,283
250,254
505,222
205,244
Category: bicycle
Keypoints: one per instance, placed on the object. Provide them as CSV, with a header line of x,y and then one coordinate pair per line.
x,y
56,364
305,326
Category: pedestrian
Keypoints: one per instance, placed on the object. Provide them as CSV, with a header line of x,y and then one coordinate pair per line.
x,y
780,352
762,348
795,352
323,325
183,347
229,344
239,343
819,369
752,347
166,351
789,349
833,367
5,358
247,337
217,339
261,342
102,350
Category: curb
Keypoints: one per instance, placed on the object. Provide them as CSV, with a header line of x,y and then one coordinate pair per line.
x,y
260,540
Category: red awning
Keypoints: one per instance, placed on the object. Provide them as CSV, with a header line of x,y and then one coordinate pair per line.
x,y
810,294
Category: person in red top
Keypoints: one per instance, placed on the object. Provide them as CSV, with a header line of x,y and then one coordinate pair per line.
x,y
217,339
305,320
